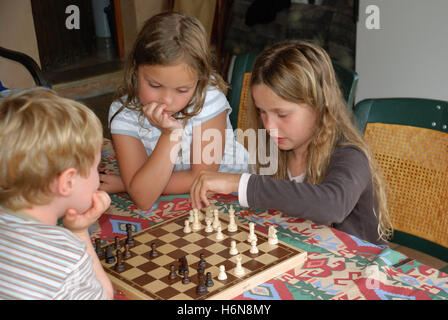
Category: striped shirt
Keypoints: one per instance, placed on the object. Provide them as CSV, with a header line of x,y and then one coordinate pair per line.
x,y
39,261
132,123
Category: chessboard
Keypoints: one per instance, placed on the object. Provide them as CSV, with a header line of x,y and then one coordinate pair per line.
x,y
144,276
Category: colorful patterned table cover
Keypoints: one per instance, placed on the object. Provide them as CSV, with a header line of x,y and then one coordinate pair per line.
x,y
338,266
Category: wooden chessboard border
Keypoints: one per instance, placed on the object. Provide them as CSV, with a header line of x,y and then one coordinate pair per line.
x,y
133,291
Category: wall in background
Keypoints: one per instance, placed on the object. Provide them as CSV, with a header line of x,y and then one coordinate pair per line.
x,y
408,55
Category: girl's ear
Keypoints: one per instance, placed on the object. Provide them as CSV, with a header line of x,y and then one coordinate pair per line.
x,y
65,182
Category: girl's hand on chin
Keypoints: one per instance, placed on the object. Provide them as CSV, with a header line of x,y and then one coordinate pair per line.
x,y
158,117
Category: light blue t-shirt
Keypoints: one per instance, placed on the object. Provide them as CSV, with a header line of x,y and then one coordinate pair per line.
x,y
134,123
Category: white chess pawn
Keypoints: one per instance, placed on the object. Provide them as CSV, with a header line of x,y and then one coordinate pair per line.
x,y
219,234
222,273
209,212
216,221
187,228
252,236
196,224
233,250
209,227
232,227
272,236
239,270
253,248
199,213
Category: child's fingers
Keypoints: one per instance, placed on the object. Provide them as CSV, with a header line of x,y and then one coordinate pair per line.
x,y
193,194
101,201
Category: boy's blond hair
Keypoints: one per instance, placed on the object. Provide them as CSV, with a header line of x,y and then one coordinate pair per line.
x,y
41,135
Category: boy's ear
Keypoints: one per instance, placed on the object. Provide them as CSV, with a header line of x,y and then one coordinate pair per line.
x,y
65,182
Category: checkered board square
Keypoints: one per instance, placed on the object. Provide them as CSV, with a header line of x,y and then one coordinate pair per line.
x,y
145,277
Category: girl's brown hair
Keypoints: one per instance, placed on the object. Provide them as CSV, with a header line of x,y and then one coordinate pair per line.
x,y
301,72
165,39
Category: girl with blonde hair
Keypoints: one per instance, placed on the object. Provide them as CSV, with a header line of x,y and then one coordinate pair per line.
x,y
326,172
171,104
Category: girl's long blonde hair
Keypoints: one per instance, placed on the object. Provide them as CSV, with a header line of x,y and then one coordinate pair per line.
x,y
163,40
301,72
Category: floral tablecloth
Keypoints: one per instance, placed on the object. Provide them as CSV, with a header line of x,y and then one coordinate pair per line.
x,y
338,266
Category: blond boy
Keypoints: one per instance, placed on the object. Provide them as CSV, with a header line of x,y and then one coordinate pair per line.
x,y
50,148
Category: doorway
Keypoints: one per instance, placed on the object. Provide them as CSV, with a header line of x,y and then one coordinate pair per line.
x,y
70,54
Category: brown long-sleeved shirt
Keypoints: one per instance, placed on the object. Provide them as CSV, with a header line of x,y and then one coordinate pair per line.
x,y
345,199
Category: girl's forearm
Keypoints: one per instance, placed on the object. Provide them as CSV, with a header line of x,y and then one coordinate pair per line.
x,y
151,179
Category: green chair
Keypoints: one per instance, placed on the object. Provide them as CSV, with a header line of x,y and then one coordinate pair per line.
x,y
409,140
348,81
243,64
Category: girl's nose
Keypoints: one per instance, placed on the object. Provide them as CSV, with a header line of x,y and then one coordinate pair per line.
x,y
165,97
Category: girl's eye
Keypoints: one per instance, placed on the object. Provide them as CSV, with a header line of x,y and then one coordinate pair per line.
x,y
282,115
152,85
183,90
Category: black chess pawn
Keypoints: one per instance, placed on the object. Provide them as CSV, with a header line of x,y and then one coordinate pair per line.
x,y
202,263
201,272
119,266
201,289
110,258
173,274
209,281
183,265
129,239
186,278
153,253
99,251
117,243
127,252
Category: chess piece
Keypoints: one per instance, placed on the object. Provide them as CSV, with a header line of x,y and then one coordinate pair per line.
x,y
232,227
209,227
209,213
187,228
202,263
219,234
233,250
119,266
191,217
172,275
129,239
239,270
272,236
200,275
110,258
216,222
252,236
201,216
99,251
127,252
222,273
196,224
117,243
183,265
253,248
153,252
209,281
201,289
186,278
